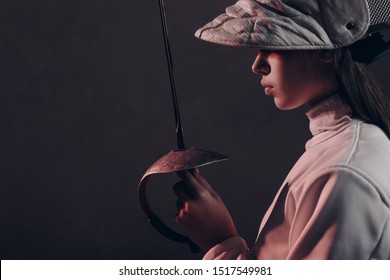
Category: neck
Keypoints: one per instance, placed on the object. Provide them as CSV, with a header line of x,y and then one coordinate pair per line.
x,y
320,98
330,86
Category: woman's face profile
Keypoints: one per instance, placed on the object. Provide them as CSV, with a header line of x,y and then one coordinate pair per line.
x,y
294,78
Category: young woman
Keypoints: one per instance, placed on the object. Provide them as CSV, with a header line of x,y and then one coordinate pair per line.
x,y
334,203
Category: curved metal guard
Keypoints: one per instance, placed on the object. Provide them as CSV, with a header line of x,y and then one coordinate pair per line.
x,y
177,160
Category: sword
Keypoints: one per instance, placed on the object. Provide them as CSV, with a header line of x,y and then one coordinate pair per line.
x,y
176,160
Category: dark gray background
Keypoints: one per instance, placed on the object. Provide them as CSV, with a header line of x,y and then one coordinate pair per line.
x,y
85,110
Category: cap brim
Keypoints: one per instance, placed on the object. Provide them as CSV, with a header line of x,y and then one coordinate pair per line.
x,y
277,25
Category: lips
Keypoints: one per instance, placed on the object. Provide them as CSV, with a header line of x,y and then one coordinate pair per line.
x,y
267,88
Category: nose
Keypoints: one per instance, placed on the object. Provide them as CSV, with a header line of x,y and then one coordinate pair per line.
x,y
260,65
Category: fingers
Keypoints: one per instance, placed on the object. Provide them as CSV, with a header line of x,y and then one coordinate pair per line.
x,y
204,183
179,205
196,182
183,195
194,187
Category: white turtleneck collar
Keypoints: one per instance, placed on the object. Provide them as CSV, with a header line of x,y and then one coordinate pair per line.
x,y
329,115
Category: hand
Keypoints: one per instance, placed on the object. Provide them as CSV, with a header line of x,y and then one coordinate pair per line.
x,y
202,215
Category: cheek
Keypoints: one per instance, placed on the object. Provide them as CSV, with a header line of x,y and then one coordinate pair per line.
x,y
292,92
295,82
291,83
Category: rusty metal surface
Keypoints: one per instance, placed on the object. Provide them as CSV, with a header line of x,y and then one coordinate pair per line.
x,y
179,160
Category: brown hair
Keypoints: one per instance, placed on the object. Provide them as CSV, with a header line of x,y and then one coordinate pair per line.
x,y
362,92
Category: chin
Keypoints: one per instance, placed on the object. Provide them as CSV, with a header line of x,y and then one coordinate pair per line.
x,y
284,105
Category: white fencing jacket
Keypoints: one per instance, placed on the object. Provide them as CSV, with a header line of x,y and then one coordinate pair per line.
x,y
334,203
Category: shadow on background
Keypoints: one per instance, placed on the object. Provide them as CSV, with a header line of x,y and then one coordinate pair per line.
x,y
85,109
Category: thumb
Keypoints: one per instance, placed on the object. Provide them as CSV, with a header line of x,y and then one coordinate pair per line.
x,y
204,183
193,185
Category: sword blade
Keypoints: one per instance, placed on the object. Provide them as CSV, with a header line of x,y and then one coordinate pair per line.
x,y
179,128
